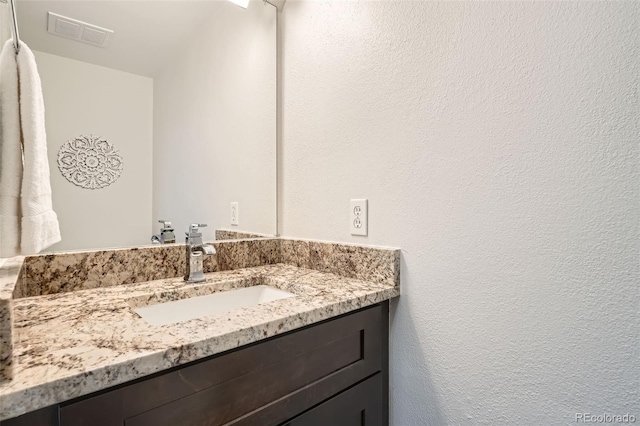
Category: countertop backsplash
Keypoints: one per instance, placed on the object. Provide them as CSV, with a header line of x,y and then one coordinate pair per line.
x,y
58,273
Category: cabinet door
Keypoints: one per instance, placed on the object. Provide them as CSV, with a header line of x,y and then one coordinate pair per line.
x,y
102,410
44,417
360,405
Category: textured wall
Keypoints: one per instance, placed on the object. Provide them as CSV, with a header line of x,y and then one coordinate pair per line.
x,y
82,99
497,144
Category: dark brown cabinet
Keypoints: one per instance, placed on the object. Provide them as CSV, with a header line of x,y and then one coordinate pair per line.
x,y
358,406
334,372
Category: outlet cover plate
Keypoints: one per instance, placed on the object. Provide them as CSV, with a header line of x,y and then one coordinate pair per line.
x,y
235,214
358,217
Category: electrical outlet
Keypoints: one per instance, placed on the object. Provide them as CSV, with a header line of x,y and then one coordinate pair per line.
x,y
358,217
235,213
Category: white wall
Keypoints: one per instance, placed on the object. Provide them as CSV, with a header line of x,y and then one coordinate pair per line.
x,y
214,125
497,144
5,24
83,99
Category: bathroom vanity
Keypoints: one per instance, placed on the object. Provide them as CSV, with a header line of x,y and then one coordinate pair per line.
x,y
82,356
334,373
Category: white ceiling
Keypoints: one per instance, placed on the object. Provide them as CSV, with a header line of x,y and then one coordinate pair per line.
x,y
147,32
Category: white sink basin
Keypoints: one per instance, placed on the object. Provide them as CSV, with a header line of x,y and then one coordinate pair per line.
x,y
202,306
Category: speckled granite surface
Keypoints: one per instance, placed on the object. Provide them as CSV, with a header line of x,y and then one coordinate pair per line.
x,y
71,344
226,234
64,272
368,263
9,272
68,322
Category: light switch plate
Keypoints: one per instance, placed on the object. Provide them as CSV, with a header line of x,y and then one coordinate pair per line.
x,y
358,216
235,213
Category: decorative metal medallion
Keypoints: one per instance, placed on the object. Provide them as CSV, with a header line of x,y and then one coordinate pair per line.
x,y
89,162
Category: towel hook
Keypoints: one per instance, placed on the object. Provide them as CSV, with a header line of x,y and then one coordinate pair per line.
x,y
14,28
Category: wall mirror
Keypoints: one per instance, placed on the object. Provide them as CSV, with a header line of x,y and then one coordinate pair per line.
x,y
185,91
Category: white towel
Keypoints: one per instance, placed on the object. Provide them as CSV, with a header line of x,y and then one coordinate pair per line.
x,y
10,154
38,223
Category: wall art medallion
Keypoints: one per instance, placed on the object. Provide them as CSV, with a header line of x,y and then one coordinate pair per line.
x,y
89,162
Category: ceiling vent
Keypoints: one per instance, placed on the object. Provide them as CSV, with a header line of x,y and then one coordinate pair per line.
x,y
78,30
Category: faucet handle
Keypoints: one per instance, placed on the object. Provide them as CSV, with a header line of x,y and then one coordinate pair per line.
x,y
193,228
166,224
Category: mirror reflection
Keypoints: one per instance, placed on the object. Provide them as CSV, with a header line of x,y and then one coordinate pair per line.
x,y
180,99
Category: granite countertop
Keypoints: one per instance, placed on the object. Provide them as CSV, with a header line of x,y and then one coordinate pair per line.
x,y
74,343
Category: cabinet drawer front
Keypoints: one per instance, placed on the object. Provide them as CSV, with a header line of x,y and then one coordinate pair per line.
x,y
224,402
223,388
360,405
43,417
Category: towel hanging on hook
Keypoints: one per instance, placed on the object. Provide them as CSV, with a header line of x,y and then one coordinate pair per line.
x,y
28,223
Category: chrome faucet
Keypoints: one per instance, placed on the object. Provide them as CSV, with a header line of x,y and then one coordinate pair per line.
x,y
196,251
166,235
